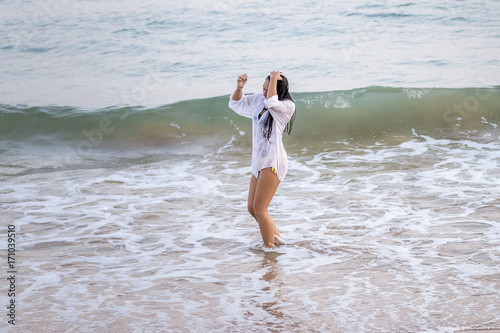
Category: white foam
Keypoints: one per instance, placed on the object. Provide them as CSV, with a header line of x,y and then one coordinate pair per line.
x,y
379,236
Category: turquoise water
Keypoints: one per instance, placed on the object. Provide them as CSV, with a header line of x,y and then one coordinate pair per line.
x,y
50,138
125,174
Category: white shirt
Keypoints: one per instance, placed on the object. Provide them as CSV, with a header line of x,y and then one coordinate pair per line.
x,y
266,153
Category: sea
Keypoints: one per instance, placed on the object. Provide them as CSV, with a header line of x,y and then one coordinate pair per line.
x,y
124,174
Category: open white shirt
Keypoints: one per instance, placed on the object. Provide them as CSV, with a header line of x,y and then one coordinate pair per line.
x,y
266,153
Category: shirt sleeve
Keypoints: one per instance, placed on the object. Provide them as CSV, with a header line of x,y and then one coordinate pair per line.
x,y
244,106
281,111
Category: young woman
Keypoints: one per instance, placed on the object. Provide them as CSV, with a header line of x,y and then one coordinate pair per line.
x,y
272,113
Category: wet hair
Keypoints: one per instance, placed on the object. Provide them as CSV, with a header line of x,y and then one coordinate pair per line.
x,y
283,94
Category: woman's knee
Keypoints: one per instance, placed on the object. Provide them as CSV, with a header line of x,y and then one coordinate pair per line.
x,y
250,210
258,210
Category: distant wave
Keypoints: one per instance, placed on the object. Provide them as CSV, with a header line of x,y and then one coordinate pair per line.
x,y
360,112
48,138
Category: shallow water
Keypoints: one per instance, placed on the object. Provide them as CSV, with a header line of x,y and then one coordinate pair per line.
x,y
381,238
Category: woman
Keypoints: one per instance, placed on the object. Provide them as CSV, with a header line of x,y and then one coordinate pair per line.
x,y
272,113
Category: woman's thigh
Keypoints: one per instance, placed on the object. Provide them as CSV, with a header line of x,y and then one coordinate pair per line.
x,y
266,187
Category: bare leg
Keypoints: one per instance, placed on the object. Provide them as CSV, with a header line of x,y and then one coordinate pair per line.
x,y
251,195
261,193
251,198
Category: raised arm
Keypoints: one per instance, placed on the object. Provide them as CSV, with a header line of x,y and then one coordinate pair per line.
x,y
240,83
281,110
275,76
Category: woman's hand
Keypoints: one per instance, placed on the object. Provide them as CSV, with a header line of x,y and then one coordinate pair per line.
x,y
276,75
240,83
242,80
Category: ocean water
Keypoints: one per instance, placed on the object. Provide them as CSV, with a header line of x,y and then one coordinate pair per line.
x,y
125,174
107,53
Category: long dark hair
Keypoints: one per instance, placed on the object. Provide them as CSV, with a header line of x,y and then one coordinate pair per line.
x,y
283,94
